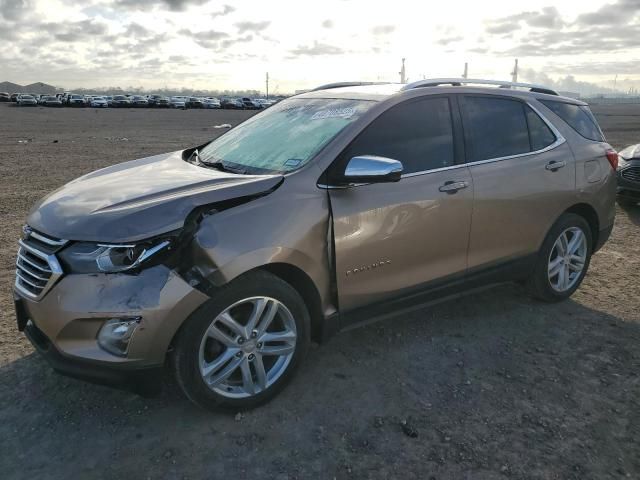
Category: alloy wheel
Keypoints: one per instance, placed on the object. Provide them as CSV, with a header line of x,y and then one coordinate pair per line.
x,y
247,347
567,259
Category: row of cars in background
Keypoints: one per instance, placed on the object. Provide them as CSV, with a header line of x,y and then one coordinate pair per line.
x,y
115,101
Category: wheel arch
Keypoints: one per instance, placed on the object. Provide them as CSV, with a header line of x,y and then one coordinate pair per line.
x,y
302,283
589,213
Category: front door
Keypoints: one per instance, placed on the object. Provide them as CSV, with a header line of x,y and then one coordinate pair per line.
x,y
391,238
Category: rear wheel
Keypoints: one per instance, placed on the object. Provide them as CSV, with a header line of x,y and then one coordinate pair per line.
x,y
242,346
563,259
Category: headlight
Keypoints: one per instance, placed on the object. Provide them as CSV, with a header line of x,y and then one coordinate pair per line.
x,y
84,257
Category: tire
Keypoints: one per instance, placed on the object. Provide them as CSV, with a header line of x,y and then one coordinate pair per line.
x,y
209,345
551,288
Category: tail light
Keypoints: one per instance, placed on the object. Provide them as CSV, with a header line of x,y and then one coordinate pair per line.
x,y
612,156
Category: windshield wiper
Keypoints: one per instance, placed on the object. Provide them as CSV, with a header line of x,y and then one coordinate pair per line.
x,y
218,164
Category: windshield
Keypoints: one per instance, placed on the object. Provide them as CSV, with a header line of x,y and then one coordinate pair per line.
x,y
285,137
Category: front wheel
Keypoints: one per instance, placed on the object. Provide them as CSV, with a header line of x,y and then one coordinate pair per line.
x,y
563,259
241,347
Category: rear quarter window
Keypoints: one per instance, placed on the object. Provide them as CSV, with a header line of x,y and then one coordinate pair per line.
x,y
579,117
540,135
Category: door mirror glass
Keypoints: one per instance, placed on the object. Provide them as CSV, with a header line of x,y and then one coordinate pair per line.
x,y
372,169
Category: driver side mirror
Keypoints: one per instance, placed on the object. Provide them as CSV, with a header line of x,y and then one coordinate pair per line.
x,y
372,169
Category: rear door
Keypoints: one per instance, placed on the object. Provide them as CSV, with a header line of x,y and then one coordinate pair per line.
x,y
394,237
523,174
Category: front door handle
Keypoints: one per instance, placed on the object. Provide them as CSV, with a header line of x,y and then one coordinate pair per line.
x,y
555,166
452,187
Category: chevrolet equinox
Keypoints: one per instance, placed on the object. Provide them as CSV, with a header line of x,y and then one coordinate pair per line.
x,y
330,209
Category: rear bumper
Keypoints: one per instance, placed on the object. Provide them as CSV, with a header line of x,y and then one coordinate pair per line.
x,y
143,381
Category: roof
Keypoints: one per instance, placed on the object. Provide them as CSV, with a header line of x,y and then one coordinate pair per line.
x,y
382,91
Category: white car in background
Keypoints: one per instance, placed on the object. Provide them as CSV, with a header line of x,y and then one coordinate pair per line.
x,y
178,102
211,103
263,102
99,102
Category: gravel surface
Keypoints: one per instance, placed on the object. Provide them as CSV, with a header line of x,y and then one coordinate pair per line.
x,y
490,387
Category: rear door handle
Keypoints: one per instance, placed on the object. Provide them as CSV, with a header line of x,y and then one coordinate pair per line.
x,y
555,166
452,187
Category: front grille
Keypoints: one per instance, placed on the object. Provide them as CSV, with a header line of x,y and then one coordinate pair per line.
x,y
37,268
632,174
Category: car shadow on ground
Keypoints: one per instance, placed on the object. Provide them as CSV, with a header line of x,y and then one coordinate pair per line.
x,y
633,212
493,384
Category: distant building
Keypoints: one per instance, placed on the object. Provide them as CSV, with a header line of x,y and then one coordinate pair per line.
x,y
38,87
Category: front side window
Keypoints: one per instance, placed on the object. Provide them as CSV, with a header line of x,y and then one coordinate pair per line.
x,y
495,127
579,117
418,133
284,137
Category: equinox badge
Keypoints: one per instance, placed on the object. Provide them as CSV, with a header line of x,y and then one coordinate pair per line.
x,y
365,268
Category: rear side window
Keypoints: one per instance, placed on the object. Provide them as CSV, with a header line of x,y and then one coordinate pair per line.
x,y
495,127
540,134
579,117
418,133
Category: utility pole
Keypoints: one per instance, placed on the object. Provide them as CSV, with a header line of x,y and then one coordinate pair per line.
x,y
267,82
615,82
403,73
466,70
514,74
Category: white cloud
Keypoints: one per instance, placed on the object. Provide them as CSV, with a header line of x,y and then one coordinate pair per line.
x,y
211,44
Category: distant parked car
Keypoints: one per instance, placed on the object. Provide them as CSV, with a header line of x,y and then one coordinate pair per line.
x,y
139,101
250,104
14,97
5,97
178,102
153,100
232,104
211,103
50,101
76,101
195,102
27,101
629,176
120,101
263,102
98,102
162,102
109,99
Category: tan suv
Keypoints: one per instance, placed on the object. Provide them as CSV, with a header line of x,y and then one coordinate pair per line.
x,y
328,209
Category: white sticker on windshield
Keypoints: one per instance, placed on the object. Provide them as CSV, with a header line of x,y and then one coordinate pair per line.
x,y
346,112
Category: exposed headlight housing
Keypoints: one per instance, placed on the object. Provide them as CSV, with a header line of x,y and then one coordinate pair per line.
x,y
85,257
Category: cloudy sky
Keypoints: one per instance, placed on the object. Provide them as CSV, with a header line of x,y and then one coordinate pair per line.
x,y
230,45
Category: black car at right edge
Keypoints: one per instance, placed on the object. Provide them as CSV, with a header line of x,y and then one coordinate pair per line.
x,y
629,175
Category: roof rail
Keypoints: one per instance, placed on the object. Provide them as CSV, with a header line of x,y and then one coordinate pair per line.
x,y
330,86
456,82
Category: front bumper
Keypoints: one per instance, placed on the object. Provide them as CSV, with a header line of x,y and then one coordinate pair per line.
x,y
65,323
145,381
629,180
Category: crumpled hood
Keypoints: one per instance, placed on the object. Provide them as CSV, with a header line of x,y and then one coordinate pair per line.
x,y
139,199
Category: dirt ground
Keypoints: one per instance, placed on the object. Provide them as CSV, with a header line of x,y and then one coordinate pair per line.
x,y
494,386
